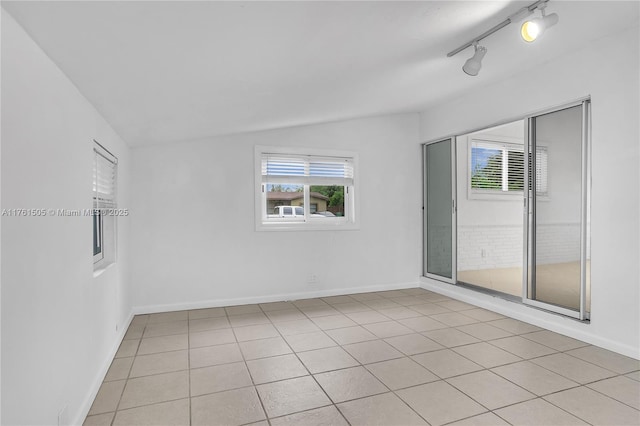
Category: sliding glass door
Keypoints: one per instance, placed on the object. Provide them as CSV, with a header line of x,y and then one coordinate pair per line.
x,y
439,210
557,276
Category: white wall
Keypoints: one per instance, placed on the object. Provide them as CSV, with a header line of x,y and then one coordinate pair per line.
x,y
194,239
607,69
58,321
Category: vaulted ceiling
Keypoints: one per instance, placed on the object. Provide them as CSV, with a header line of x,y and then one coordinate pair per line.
x,y
176,70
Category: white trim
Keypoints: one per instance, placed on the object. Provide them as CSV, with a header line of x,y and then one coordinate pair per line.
x,y
214,303
85,406
550,321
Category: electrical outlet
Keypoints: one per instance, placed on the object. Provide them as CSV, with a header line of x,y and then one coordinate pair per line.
x,y
313,279
483,252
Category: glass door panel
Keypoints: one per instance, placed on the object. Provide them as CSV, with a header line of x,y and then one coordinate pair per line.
x,y
439,211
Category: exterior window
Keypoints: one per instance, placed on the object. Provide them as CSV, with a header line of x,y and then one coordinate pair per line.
x,y
105,167
498,168
304,190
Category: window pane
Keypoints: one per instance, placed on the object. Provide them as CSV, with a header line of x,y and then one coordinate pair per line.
x,y
329,200
97,233
515,170
281,198
486,168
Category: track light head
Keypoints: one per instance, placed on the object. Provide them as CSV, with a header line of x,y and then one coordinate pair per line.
x,y
474,63
533,28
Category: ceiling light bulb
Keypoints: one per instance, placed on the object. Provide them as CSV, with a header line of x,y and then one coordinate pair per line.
x,y
474,63
534,28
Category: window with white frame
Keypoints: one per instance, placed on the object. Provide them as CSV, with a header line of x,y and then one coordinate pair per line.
x,y
498,168
300,189
105,168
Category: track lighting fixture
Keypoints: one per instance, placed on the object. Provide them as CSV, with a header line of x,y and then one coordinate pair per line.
x,y
533,28
530,30
474,63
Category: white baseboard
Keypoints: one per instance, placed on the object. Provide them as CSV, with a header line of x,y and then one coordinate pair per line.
x,y
214,303
102,372
547,320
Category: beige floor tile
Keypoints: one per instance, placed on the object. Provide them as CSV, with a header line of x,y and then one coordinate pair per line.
x,y
306,303
382,304
573,368
134,332
435,297
206,313
350,383
345,336
453,319
390,294
333,300
456,305
211,338
234,407
290,396
174,342
242,309
153,389
429,309
407,300
275,368
450,337
289,328
214,355
254,332
265,347
483,314
401,373
352,307
388,329
140,319
286,315
421,324
514,326
489,389
372,351
606,359
327,359
119,369
168,317
367,317
165,413
99,420
486,355
165,362
594,408
219,378
309,341
204,324
446,363
622,388
128,348
329,416
413,344
534,378
635,375
166,328
554,340
439,403
330,322
381,410
522,347
399,313
319,311
363,297
276,306
248,319
537,412
107,398
486,419
484,331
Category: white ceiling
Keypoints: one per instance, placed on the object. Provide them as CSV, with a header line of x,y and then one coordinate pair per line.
x,y
170,71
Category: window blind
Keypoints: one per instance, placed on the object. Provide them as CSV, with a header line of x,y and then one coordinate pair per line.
x,y
307,169
104,177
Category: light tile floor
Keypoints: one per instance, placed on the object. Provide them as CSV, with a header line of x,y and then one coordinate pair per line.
x,y
402,357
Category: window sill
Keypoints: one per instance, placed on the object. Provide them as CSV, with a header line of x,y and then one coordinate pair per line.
x,y
292,226
100,270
